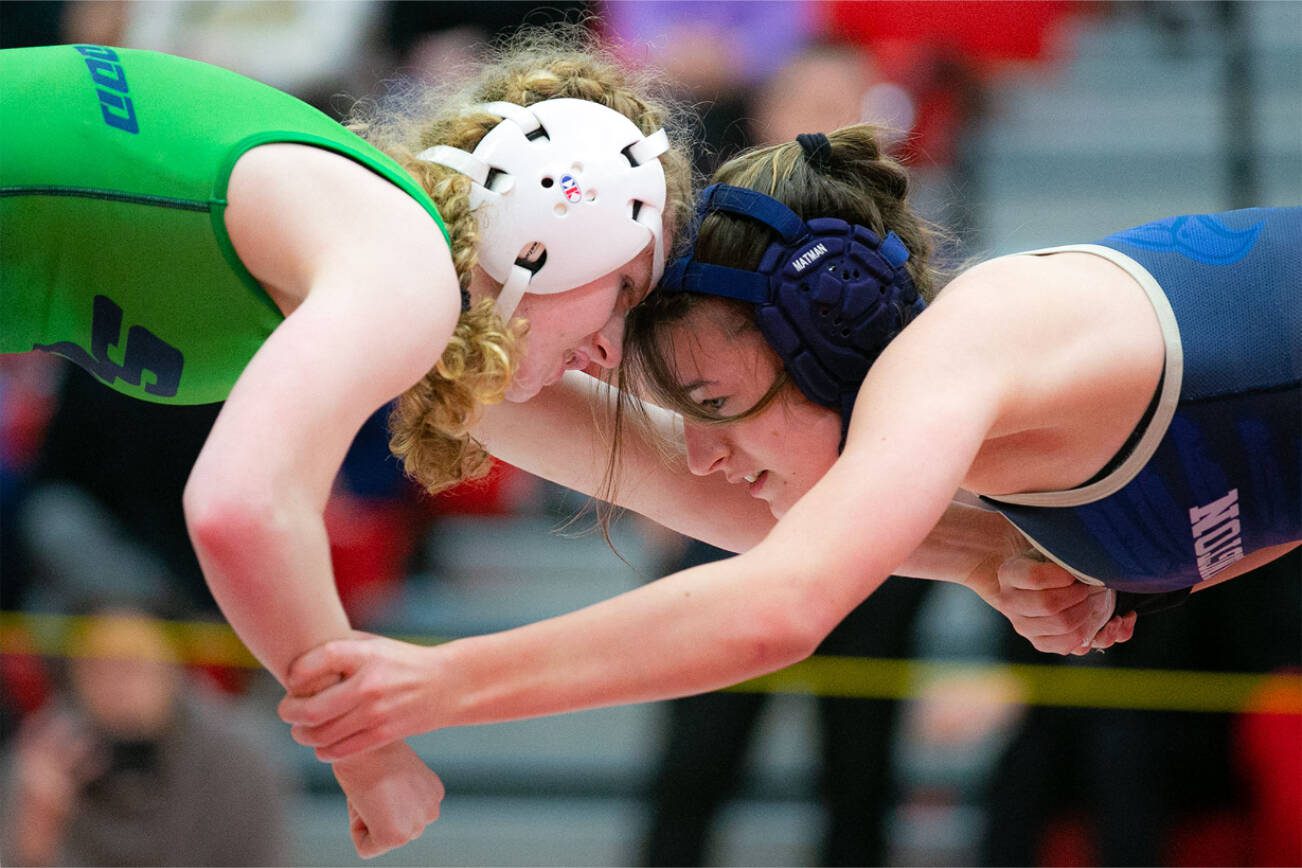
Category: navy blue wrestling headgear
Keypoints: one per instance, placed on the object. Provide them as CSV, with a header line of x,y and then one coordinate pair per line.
x,y
828,295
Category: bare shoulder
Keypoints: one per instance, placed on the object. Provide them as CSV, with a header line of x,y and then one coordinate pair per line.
x,y
974,327
1042,284
299,216
1045,305
1039,337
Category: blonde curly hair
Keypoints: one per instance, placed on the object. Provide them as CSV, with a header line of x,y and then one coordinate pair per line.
x,y
430,423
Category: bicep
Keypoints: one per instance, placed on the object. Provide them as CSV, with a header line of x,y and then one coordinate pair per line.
x,y
380,300
340,356
918,423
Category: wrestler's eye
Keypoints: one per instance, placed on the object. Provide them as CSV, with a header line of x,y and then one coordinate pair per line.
x,y
631,293
713,406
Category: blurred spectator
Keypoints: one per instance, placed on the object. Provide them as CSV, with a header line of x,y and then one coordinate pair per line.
x,y
714,55
831,84
312,50
1125,787
435,39
710,48
53,22
824,87
709,736
130,765
937,58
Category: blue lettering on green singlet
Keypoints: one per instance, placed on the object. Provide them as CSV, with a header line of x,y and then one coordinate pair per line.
x,y
110,81
145,351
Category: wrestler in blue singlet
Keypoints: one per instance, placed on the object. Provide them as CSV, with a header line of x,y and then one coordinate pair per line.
x,y
1214,471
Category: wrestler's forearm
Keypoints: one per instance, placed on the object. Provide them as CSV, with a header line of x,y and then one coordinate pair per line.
x,y
965,547
694,631
723,622
564,435
556,435
268,566
255,500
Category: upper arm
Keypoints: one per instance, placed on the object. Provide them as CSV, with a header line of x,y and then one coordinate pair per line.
x,y
299,403
297,214
381,300
921,417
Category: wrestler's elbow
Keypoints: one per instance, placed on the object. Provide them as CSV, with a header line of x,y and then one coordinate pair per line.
x,y
788,627
229,521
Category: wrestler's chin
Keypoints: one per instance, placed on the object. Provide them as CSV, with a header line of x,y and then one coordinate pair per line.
x,y
519,391
779,506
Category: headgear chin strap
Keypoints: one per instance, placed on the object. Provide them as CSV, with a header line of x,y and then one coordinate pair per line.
x,y
565,191
828,295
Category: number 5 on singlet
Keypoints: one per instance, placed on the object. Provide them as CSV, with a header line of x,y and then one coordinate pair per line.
x,y
144,352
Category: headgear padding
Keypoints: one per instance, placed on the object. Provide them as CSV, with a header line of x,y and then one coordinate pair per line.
x,y
828,295
565,191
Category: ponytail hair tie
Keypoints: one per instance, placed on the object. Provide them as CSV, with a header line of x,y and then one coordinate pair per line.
x,y
818,150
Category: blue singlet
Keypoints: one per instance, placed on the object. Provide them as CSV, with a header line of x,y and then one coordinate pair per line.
x,y
1215,471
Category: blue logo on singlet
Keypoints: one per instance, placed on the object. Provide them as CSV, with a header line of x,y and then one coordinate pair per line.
x,y
111,87
1200,237
144,352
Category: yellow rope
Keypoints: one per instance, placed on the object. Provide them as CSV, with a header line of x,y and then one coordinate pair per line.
x,y
215,644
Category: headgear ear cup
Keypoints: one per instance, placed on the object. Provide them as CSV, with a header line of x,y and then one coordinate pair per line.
x,y
828,295
561,173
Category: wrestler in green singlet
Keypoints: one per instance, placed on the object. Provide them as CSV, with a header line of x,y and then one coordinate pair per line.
x,y
113,248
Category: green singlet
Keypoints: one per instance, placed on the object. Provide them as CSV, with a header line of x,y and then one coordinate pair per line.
x,y
113,249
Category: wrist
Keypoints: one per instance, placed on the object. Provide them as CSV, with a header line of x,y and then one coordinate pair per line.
x,y
448,681
984,580
370,765
483,679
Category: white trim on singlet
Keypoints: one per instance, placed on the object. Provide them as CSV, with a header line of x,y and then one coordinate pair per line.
x,y
1049,555
1172,377
963,497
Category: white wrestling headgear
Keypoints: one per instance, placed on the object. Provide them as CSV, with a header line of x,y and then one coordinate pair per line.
x,y
565,190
